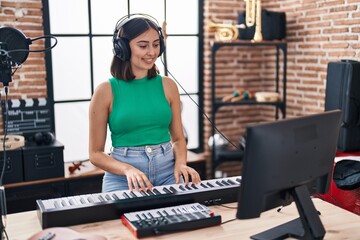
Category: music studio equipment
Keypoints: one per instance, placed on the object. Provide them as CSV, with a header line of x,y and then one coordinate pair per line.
x,y
42,155
224,32
11,39
253,18
121,44
14,50
89,208
343,92
44,138
273,26
43,161
170,219
13,166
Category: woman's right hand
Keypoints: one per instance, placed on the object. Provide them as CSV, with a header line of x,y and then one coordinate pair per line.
x,y
137,180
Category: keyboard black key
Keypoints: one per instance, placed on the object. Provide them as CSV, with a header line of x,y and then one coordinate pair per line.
x,y
209,184
158,212
126,195
133,195
90,199
143,193
173,189
101,198
150,192
115,197
166,190
64,203
108,197
219,183
156,191
203,185
231,182
225,183
72,201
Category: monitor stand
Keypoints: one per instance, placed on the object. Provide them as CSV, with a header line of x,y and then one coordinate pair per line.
x,y
308,226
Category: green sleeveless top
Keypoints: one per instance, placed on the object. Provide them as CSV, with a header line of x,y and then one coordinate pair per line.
x,y
141,114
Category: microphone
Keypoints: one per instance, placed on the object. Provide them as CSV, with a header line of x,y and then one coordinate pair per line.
x,y
14,50
14,39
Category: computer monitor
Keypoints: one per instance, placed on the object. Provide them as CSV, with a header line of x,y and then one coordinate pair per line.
x,y
289,160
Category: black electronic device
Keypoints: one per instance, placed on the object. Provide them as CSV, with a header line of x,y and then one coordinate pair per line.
x,y
343,92
13,167
286,161
121,43
43,161
170,219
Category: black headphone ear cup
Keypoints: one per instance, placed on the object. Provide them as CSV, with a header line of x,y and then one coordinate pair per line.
x,y
48,138
38,138
162,43
44,138
122,48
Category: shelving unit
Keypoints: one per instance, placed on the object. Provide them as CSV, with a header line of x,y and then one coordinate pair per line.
x,y
223,156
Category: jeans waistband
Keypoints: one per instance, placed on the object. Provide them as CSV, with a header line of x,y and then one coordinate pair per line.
x,y
148,149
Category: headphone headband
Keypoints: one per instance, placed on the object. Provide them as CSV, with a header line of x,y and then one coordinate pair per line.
x,y
121,44
125,19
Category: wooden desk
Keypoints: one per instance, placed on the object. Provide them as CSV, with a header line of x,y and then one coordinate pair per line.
x,y
339,224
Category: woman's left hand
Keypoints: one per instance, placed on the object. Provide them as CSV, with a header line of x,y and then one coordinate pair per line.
x,y
186,172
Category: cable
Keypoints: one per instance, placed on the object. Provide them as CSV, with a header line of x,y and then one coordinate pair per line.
x,y
5,134
224,206
202,111
229,221
41,50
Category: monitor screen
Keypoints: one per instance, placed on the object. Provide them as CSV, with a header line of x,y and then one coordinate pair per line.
x,y
285,161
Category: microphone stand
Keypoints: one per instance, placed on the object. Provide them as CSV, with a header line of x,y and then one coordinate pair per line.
x,y
5,65
5,78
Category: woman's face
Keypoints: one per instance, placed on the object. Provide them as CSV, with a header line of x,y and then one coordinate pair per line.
x,y
144,51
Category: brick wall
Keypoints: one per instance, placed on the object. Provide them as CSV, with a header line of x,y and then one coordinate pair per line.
x,y
318,31
29,81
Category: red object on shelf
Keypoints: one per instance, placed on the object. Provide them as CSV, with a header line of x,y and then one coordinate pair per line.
x,y
346,199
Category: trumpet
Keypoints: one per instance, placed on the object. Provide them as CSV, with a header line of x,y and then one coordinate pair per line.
x,y
253,17
224,32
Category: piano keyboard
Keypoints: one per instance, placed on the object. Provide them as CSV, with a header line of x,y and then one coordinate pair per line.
x,y
170,219
73,210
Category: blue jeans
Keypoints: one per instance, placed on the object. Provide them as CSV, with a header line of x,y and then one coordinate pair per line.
x,y
156,161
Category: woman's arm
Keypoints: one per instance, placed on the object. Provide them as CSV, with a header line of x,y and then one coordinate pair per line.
x,y
177,135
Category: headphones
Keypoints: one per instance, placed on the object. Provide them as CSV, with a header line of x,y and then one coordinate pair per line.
x,y
121,44
44,138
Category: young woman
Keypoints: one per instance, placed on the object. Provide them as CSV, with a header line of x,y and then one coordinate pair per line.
x,y
142,110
